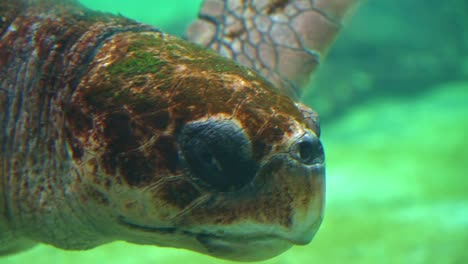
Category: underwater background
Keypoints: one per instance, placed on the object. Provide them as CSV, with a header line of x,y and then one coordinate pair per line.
x,y
393,100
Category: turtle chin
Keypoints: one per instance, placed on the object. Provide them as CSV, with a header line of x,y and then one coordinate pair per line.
x,y
242,249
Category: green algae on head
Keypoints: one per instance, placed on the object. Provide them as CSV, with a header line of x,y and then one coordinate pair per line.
x,y
143,58
141,62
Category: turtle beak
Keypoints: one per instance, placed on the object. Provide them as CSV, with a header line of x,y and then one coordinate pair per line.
x,y
309,203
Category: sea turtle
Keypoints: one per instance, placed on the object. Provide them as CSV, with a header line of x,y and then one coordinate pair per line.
x,y
113,130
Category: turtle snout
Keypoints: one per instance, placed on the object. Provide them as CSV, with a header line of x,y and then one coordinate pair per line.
x,y
308,150
218,154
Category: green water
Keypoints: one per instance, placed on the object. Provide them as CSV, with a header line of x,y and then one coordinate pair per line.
x,y
397,181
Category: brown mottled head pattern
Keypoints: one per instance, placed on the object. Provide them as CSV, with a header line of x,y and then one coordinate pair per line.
x,y
193,150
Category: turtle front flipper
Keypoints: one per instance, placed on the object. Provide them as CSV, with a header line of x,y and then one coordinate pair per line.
x,y
284,40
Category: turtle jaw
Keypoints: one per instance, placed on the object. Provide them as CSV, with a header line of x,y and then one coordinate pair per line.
x,y
245,248
281,206
264,240
257,233
254,247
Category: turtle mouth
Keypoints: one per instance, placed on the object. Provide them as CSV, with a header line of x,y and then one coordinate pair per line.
x,y
200,236
163,230
204,237
246,247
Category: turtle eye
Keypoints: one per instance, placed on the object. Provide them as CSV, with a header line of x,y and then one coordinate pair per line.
x,y
218,154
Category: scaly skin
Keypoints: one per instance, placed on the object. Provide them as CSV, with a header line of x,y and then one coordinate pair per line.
x,y
284,40
44,53
112,130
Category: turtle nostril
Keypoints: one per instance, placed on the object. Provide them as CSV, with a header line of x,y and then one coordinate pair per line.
x,y
308,150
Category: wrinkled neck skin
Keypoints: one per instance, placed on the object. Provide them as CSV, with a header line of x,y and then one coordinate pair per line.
x,y
43,54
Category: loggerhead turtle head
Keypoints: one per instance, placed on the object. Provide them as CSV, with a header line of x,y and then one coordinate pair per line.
x,y
176,146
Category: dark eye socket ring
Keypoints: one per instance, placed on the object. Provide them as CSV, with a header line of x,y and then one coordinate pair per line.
x,y
218,154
